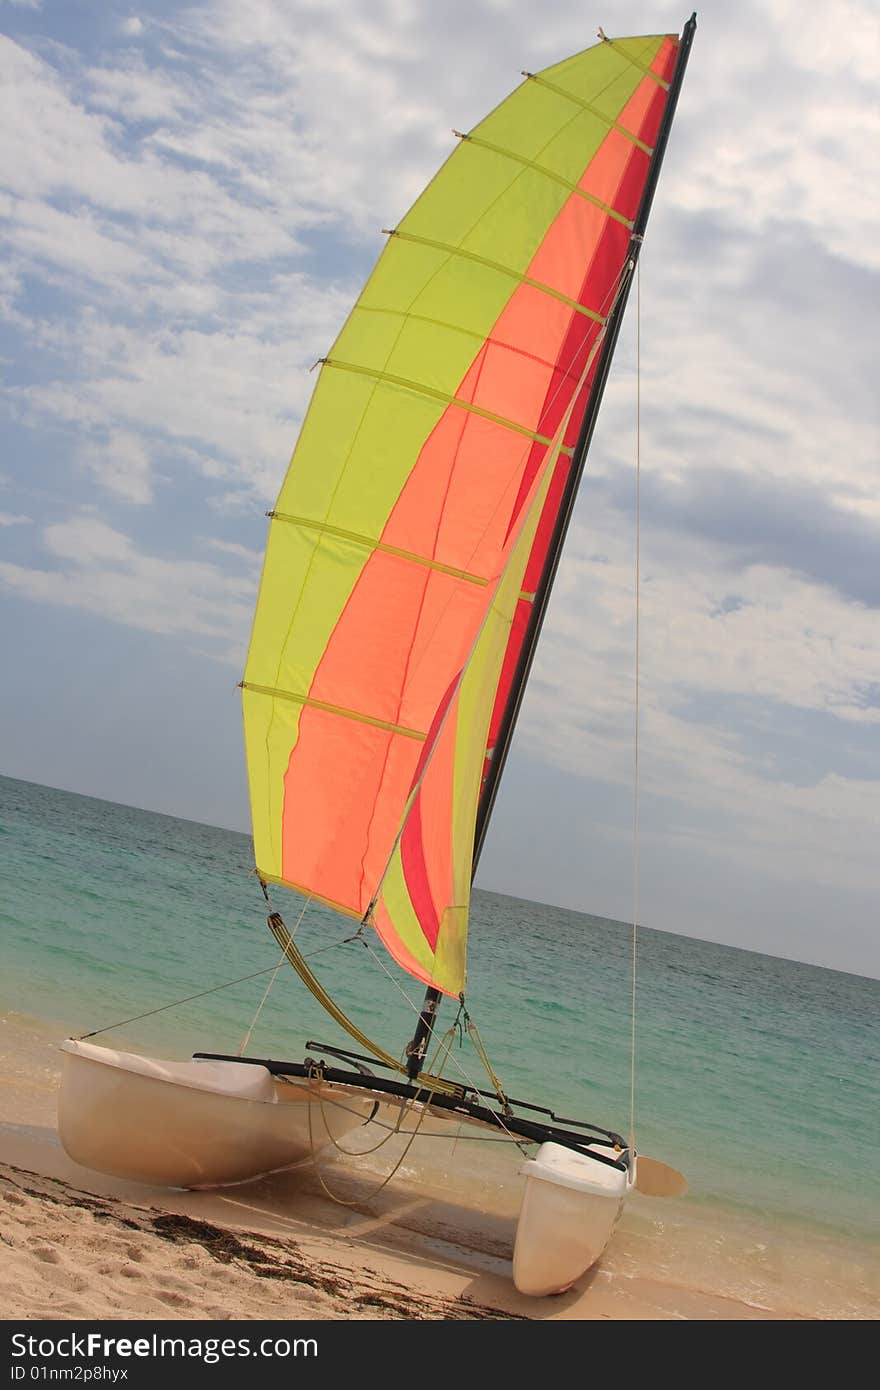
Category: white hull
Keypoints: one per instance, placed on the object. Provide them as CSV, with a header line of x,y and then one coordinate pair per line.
x,y
570,1208
193,1124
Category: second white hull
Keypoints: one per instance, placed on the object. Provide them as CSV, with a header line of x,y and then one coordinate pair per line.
x,y
571,1205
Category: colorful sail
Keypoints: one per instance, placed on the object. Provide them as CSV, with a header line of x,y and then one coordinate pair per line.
x,y
423,899
424,472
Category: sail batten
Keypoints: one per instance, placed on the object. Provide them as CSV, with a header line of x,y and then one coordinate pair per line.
x,y
421,388
369,543
548,174
274,693
588,106
414,521
617,45
493,265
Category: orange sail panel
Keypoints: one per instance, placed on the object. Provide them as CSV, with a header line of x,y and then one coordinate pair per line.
x,y
424,895
427,448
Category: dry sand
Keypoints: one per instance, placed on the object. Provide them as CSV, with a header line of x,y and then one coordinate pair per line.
x,y
71,1254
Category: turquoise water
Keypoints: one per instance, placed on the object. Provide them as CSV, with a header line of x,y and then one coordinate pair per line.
x,y
758,1076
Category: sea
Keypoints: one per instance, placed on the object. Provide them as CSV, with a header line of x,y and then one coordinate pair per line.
x,y
758,1077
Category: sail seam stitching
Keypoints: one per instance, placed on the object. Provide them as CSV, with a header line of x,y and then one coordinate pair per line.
x,y
549,174
341,710
593,110
372,545
420,318
503,269
430,391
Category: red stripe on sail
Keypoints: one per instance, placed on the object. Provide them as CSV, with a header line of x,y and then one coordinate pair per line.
x,y
412,847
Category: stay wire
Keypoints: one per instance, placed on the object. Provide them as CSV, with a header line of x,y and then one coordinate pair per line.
x,y
450,1055
227,984
635,813
247,1037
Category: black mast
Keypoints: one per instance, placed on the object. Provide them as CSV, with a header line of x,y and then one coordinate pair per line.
x,y
416,1048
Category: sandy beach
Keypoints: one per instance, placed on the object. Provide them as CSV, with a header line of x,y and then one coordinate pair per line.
x,y
83,1246
79,1245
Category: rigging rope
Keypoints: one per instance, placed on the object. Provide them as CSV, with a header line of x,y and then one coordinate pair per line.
x,y
296,926
317,1074
215,989
505,1104
298,961
423,1100
247,1037
480,1048
635,838
175,1003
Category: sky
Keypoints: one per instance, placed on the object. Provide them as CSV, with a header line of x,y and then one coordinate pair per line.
x,y
191,197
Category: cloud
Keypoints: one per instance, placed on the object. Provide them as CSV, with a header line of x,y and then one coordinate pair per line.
x,y
758,720
786,147
782,641
70,244
97,568
225,402
10,519
766,519
241,552
122,465
84,169
132,26
133,91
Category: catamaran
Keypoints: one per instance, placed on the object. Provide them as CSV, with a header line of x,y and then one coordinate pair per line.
x,y
409,563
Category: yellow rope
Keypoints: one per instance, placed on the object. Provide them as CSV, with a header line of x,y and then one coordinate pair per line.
x,y
480,1048
316,1073
295,957
433,1083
